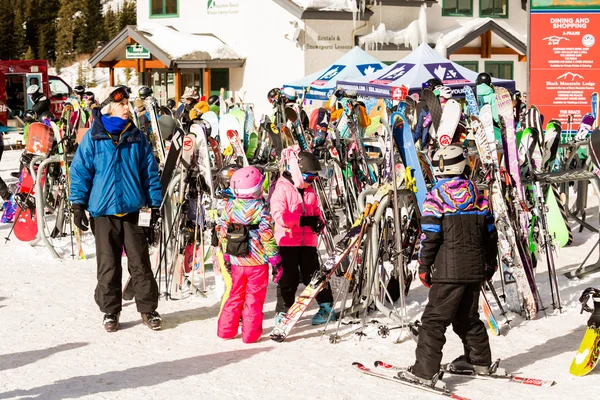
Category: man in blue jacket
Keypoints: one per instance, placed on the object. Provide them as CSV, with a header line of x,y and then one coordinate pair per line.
x,y
114,175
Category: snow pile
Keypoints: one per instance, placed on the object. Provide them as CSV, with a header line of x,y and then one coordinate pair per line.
x,y
112,4
180,44
330,5
411,36
447,38
98,76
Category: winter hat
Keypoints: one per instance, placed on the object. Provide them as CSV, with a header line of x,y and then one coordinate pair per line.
x,y
189,93
106,103
199,108
139,104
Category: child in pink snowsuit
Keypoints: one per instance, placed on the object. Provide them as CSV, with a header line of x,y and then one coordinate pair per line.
x,y
249,266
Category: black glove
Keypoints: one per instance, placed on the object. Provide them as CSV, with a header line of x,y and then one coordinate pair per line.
x,y
320,226
152,231
79,218
490,270
310,221
155,216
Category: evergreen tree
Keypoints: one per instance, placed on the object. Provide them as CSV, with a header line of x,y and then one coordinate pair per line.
x,y
7,48
111,26
127,15
64,33
91,31
18,37
29,55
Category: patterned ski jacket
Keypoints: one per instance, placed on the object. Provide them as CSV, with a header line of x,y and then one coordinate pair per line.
x,y
287,206
458,236
262,246
114,179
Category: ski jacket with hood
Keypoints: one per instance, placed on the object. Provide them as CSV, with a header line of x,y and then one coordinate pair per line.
x,y
288,204
459,238
262,247
114,179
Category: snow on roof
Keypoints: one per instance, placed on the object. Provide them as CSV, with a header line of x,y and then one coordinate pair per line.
x,y
447,38
331,5
178,45
411,36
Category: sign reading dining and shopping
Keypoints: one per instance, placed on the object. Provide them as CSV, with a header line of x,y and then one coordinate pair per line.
x,y
136,51
564,65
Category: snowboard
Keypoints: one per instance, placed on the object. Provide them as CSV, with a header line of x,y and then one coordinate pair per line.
x,y
448,122
408,152
252,145
227,123
471,101
39,139
171,159
203,155
213,123
240,115
25,222
235,140
435,110
587,356
594,103
556,216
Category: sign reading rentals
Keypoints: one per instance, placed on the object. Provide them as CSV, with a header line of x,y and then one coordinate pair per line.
x,y
564,59
135,51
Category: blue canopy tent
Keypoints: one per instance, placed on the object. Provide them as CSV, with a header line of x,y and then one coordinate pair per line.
x,y
419,66
356,63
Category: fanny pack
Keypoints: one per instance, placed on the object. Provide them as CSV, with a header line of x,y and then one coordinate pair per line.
x,y
238,239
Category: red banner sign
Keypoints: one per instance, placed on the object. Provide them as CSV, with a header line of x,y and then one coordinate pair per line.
x,y
564,65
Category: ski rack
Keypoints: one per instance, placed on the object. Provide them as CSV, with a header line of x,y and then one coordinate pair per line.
x,y
372,249
579,175
39,200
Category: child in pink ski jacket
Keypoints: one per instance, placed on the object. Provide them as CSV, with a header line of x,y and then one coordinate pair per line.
x,y
298,221
249,258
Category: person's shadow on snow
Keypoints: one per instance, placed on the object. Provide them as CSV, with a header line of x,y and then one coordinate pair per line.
x,y
16,360
143,376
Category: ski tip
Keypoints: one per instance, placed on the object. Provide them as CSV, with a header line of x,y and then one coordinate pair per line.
x,y
277,338
359,366
378,363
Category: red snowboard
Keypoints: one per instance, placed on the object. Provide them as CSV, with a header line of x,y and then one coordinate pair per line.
x,y
25,227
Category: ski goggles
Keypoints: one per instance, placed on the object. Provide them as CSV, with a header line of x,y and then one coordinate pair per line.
x,y
309,177
119,94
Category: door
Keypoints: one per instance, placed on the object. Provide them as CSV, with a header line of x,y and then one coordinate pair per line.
x,y
32,79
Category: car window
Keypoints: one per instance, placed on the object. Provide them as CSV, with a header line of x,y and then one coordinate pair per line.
x,y
58,87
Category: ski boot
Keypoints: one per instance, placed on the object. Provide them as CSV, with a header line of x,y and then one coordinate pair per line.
x,y
594,320
435,381
111,322
279,317
462,365
325,312
152,320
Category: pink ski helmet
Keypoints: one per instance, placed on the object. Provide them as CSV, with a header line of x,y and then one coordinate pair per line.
x,y
246,183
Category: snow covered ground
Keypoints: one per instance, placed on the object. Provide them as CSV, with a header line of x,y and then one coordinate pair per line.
x,y
53,346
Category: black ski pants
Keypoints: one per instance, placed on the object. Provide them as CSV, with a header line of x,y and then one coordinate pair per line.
x,y
456,304
298,262
112,234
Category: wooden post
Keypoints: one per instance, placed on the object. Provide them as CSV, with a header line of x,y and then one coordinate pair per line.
x,y
177,82
206,82
111,76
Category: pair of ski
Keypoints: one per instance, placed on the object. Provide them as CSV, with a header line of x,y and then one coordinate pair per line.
x,y
379,365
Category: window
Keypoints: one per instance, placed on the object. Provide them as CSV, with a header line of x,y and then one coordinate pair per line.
x,y
58,87
472,65
219,78
493,8
164,8
499,69
457,7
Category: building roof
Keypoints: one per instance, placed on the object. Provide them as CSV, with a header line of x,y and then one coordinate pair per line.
x,y
171,47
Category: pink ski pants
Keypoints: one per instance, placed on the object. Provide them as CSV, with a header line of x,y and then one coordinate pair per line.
x,y
246,299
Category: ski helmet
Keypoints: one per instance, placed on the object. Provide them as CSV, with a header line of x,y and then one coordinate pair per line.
x,y
79,90
273,95
308,163
29,116
517,95
224,175
485,78
432,83
167,125
445,92
171,103
214,99
246,183
450,161
144,92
